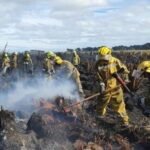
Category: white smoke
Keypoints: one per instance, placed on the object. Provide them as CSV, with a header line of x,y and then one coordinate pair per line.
x,y
25,92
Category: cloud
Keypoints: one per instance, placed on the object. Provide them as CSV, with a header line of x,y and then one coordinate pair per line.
x,y
61,24
76,4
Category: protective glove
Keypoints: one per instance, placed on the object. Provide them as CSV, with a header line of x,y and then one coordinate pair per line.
x,y
137,73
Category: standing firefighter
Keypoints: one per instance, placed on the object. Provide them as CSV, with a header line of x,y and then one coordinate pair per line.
x,y
67,70
75,59
27,63
106,66
14,65
14,60
47,66
5,63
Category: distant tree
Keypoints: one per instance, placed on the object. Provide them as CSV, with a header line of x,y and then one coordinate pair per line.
x,y
133,47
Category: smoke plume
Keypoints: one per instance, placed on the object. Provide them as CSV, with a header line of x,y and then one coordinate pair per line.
x,y
24,93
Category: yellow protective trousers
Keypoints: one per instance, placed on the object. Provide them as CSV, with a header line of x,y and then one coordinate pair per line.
x,y
116,101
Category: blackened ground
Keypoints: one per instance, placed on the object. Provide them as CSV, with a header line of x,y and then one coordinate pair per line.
x,y
50,129
54,130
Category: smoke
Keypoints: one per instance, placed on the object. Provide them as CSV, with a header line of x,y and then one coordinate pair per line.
x,y
24,93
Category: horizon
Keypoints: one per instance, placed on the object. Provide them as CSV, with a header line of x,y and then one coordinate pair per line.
x,y
11,51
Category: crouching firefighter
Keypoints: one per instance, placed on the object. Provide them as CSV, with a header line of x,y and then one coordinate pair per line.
x,y
143,69
69,71
106,66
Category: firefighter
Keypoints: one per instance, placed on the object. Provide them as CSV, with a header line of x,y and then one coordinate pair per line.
x,y
5,63
66,69
106,66
14,66
27,57
27,63
142,69
75,59
47,66
14,60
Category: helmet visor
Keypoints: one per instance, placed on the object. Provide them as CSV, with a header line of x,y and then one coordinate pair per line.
x,y
106,57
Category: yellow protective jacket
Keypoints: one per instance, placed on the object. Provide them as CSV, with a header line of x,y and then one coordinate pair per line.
x,y
27,58
47,64
105,71
5,62
144,65
14,60
70,71
76,59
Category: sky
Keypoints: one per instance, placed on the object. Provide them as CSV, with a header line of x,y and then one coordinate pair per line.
x,y
60,24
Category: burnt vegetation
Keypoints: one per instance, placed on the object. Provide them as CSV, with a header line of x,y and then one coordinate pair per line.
x,y
49,128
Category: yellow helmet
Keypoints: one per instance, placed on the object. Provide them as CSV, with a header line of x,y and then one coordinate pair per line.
x,y
148,70
58,60
144,65
51,54
26,52
75,52
104,53
5,55
15,53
